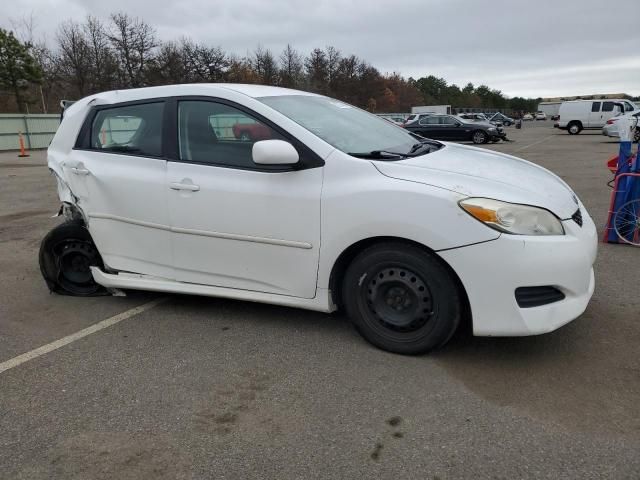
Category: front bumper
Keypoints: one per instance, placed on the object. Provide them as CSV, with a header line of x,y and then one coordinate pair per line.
x,y
491,272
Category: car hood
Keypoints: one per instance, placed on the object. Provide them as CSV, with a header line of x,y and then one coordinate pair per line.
x,y
476,172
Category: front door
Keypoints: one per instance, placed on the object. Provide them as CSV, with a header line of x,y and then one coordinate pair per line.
x,y
118,174
234,223
452,129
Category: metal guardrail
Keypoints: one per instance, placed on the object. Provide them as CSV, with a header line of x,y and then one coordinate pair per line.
x,y
37,130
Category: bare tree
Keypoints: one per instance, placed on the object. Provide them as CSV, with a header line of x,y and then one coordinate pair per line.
x,y
291,72
204,64
134,42
168,66
240,71
265,66
74,60
333,62
316,66
101,55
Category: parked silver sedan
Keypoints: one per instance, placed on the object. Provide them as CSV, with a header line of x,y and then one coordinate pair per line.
x,y
610,128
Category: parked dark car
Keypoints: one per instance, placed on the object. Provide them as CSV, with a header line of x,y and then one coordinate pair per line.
x,y
451,127
502,119
477,117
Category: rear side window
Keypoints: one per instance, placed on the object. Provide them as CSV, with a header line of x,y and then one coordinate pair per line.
x,y
135,129
219,134
595,107
607,106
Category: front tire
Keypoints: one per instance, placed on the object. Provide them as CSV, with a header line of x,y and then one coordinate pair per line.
x,y
574,128
66,253
401,299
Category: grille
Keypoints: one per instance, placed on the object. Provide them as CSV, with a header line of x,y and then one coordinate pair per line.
x,y
577,217
528,297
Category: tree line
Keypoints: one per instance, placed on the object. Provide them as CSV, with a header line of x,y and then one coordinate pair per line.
x,y
125,52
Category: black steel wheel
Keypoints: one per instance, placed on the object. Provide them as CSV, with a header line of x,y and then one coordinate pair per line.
x,y
401,298
66,253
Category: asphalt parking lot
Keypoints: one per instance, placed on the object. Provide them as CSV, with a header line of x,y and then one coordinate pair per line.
x,y
210,388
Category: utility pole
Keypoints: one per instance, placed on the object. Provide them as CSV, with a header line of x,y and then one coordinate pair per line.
x,y
44,105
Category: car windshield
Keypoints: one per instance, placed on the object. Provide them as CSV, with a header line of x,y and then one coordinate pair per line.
x,y
343,126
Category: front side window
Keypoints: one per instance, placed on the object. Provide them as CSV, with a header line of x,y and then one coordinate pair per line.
x,y
219,134
448,121
341,125
135,129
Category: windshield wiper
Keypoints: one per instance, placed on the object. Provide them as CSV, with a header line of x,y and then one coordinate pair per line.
x,y
378,155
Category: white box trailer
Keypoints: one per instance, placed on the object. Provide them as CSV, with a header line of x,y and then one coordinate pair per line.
x,y
438,109
551,109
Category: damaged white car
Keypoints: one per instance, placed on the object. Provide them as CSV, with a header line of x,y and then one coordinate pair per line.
x,y
279,196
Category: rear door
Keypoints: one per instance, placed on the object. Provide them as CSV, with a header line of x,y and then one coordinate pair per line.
x,y
118,172
451,128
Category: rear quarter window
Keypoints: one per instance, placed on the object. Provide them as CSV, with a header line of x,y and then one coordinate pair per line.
x,y
134,129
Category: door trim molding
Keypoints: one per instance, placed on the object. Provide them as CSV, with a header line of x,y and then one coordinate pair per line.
x,y
204,233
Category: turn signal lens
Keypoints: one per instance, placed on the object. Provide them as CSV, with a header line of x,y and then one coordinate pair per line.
x,y
513,218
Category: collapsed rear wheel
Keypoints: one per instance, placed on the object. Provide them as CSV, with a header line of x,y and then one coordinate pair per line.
x,y
479,137
574,128
66,253
401,299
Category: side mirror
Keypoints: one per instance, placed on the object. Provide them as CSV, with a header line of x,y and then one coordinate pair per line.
x,y
274,152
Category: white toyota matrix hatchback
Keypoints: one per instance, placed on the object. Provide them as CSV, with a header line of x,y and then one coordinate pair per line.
x,y
279,196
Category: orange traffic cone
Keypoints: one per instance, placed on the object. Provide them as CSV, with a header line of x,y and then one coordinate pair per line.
x,y
23,151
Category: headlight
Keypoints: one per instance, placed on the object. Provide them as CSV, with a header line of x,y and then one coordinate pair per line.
x,y
513,218
492,129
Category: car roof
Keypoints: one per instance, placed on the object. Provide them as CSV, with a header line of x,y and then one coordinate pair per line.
x,y
204,89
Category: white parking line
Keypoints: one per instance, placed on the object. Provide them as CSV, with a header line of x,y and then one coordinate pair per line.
x,y
50,347
534,143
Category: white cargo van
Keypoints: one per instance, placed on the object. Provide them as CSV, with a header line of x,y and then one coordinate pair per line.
x,y
578,115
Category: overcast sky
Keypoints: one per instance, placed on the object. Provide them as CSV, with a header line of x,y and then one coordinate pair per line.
x,y
524,48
